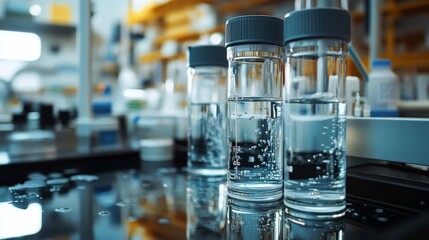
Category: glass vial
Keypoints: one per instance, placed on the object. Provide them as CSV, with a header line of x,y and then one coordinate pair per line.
x,y
295,228
207,72
255,78
206,207
254,220
314,110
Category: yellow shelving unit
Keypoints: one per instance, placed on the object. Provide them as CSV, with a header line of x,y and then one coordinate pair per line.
x,y
181,36
392,12
157,56
173,20
154,11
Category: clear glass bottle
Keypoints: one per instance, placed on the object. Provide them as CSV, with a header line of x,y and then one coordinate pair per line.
x,y
207,72
254,220
206,207
313,228
314,110
255,78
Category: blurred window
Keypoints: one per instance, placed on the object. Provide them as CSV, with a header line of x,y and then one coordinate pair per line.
x,y
21,46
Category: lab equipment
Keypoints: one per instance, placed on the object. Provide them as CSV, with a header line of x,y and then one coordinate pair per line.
x,y
314,228
383,92
255,78
207,71
314,111
254,220
206,207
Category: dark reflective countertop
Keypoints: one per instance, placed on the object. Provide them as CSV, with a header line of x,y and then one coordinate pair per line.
x,y
151,202
85,191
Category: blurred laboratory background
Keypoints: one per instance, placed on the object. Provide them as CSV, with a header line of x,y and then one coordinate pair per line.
x,y
134,60
92,88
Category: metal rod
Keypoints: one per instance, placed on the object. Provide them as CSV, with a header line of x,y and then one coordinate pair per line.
x,y
374,34
357,60
85,56
322,68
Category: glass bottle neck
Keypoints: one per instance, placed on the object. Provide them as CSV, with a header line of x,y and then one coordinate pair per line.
x,y
215,70
318,47
255,51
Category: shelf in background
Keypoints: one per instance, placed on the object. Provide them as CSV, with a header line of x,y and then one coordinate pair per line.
x,y
157,56
410,59
231,7
398,9
181,36
26,24
155,11
407,7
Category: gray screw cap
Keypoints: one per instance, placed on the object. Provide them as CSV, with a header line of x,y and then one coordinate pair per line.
x,y
254,29
207,55
314,23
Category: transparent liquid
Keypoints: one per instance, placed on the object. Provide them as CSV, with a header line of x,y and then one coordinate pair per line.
x,y
313,228
207,139
315,168
255,163
254,220
206,207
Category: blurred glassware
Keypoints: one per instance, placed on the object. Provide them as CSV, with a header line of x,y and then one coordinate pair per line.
x,y
295,228
207,72
254,220
206,207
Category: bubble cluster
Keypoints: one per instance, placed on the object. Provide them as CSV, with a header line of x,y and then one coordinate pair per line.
x,y
315,152
255,145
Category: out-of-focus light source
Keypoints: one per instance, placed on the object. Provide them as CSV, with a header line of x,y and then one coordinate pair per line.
x,y
21,46
4,158
134,93
17,222
35,10
216,38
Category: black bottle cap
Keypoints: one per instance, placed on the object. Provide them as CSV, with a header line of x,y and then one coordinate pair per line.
x,y
254,29
207,55
64,116
46,115
334,23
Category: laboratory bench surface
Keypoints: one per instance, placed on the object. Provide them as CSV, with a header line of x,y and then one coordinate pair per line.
x,y
109,193
14,167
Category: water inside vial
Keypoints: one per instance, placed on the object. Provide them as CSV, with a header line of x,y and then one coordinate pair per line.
x,y
315,156
255,163
207,139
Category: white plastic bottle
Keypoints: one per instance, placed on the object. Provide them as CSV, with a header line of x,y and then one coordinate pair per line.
x,y
382,89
